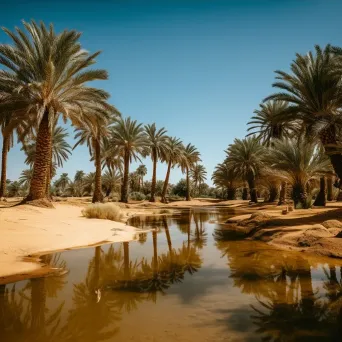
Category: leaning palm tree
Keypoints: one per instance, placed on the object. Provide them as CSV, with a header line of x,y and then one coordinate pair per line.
x,y
298,161
190,156
224,177
246,159
313,91
130,139
174,153
47,75
198,175
157,148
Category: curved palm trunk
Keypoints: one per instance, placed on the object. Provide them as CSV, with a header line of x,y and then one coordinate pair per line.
x,y
330,194
231,193
252,190
154,177
5,148
97,195
282,195
41,164
124,191
166,182
188,198
321,197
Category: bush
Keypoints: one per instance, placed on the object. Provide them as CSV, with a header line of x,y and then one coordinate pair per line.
x,y
114,197
137,196
105,211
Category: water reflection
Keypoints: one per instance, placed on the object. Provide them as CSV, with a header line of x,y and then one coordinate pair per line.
x,y
276,295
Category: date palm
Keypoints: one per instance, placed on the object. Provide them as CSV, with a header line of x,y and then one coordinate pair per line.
x,y
111,182
313,91
298,161
47,75
246,159
25,178
88,182
93,133
60,151
62,182
198,174
141,171
130,139
173,156
190,156
157,147
224,177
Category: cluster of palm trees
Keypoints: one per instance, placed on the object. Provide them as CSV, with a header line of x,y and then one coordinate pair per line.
x,y
46,77
295,139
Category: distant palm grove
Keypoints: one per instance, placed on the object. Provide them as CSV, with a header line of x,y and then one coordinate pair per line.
x,y
293,151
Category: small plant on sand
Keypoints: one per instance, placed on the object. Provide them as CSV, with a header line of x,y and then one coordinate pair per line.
x,y
137,196
106,211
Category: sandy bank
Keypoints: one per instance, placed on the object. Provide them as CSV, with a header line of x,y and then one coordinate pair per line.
x,y
316,231
27,230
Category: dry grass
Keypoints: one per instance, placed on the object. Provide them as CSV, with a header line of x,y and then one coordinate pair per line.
x,y
105,211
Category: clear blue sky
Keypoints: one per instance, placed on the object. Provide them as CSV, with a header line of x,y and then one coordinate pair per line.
x,y
198,68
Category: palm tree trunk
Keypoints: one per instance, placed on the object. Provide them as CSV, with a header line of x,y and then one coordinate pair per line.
x,y
245,193
330,194
299,195
5,148
166,182
38,303
41,164
231,193
49,175
321,197
154,177
124,191
273,194
282,195
155,250
167,233
252,190
188,198
97,195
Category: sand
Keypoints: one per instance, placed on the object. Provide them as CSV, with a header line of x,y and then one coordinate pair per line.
x,y
29,231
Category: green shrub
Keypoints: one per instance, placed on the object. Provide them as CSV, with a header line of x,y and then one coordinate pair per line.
x,y
137,196
105,211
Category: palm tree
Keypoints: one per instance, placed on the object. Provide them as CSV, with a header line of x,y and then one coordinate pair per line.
x,y
298,161
45,85
130,139
93,132
246,159
157,148
313,92
190,156
198,175
111,182
79,176
223,176
60,151
174,153
25,178
88,182
141,171
62,182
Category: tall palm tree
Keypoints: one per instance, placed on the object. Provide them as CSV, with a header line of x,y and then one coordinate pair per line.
x,y
313,91
298,161
246,159
198,174
130,139
173,156
190,156
47,74
141,171
223,176
93,132
157,149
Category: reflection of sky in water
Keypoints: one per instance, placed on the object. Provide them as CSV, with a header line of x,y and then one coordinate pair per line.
x,y
201,288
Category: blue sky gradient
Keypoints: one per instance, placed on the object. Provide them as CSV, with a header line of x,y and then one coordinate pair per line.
x,y
198,68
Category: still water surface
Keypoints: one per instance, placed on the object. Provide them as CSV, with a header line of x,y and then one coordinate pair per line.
x,y
187,281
